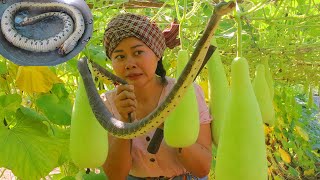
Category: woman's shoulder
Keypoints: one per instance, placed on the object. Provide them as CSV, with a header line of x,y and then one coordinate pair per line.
x,y
170,80
170,83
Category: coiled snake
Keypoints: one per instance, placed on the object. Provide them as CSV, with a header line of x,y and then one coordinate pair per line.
x,y
153,120
64,41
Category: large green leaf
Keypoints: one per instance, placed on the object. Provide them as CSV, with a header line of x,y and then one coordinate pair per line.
x,y
60,91
3,68
57,110
96,54
32,114
27,150
9,104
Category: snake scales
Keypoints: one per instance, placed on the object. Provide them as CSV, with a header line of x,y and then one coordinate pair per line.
x,y
64,41
154,119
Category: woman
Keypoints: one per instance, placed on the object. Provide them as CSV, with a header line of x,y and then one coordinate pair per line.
x,y
135,46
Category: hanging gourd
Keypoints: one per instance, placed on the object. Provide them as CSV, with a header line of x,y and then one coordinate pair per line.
x,y
88,139
262,92
269,78
218,91
241,151
181,128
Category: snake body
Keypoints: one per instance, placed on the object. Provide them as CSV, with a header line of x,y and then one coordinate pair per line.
x,y
154,119
64,41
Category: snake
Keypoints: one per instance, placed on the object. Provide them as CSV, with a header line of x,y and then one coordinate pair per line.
x,y
64,41
138,128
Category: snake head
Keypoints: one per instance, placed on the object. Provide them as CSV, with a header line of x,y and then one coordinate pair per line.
x,y
25,21
224,8
67,47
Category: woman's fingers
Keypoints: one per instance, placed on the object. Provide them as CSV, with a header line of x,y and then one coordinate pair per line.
x,y
127,87
125,101
126,95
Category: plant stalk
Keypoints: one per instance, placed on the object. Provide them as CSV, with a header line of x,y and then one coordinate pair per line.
x,y
176,3
239,30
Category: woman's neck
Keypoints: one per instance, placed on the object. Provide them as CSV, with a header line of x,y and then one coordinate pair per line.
x,y
150,91
148,97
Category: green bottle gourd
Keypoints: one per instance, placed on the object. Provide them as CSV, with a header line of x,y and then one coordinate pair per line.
x,y
218,91
261,90
241,153
269,78
88,139
181,128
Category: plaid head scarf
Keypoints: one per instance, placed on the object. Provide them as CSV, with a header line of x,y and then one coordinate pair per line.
x,y
141,27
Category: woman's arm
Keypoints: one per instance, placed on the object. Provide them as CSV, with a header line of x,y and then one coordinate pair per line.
x,y
197,157
119,160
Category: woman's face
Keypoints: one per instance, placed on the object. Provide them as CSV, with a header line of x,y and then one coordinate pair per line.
x,y
134,61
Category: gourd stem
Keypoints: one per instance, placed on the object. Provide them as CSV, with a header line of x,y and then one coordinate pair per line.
x,y
184,9
239,30
177,9
180,33
159,11
181,19
255,8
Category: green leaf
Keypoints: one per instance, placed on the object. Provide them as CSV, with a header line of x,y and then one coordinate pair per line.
x,y
27,150
9,104
301,2
60,91
293,172
32,114
96,54
3,68
207,10
57,110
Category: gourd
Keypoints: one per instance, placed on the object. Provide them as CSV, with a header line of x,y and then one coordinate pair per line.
x,y
241,153
181,128
88,139
269,78
262,92
218,91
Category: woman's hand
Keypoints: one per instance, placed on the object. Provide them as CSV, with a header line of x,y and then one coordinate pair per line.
x,y
126,102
